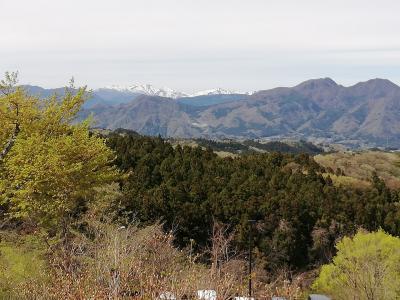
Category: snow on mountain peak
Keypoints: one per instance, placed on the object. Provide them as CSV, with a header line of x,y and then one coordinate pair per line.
x,y
148,89
216,91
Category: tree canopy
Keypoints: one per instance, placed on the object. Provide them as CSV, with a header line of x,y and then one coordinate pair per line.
x,y
48,163
366,266
299,214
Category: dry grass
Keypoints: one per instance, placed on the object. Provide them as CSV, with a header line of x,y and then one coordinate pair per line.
x,y
119,262
114,262
359,167
128,263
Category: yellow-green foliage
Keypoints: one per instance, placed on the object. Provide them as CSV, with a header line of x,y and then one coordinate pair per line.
x,y
21,261
366,266
361,165
53,163
348,181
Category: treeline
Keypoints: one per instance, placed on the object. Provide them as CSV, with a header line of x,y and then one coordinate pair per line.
x,y
252,146
299,214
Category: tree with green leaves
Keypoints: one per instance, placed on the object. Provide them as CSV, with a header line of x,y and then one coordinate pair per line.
x,y
366,266
49,164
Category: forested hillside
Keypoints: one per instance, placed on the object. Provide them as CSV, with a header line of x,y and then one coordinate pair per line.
x,y
299,214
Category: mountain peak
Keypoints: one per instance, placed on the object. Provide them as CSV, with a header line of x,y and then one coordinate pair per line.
x,y
377,88
318,83
378,83
150,90
216,91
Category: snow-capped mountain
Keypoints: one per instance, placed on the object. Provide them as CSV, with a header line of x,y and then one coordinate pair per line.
x,y
148,89
217,91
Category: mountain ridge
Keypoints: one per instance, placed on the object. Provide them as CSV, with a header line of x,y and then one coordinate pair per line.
x,y
150,90
366,114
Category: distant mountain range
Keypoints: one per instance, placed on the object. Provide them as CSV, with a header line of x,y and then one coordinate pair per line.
x,y
150,90
363,115
116,94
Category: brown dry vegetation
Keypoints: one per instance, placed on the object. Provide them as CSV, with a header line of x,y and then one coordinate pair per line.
x,y
133,263
359,167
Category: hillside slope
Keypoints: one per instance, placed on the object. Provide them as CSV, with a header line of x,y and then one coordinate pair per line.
x,y
363,115
363,165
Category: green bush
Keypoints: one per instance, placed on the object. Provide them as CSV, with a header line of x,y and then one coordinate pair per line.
x,y
366,266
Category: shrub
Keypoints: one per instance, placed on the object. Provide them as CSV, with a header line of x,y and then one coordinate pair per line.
x,y
366,266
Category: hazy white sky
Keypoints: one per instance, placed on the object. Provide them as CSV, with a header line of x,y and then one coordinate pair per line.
x,y
196,44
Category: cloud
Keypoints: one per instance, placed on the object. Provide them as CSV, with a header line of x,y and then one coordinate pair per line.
x,y
191,45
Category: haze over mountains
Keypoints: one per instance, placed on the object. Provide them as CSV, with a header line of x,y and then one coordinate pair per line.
x,y
366,114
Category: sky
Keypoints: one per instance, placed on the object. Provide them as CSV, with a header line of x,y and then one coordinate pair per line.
x,y
193,45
